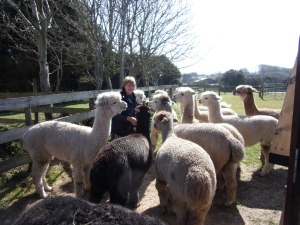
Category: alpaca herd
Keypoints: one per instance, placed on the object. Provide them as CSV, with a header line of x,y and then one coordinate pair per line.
x,y
198,155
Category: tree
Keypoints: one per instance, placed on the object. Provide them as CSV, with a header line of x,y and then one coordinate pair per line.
x,y
157,28
168,72
67,47
233,78
31,24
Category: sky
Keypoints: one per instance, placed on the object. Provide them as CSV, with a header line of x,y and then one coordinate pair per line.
x,y
236,34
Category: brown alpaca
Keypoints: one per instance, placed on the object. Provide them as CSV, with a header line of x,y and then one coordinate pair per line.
x,y
246,94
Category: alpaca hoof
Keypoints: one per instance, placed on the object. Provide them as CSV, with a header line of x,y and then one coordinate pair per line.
x,y
48,189
133,205
43,195
227,204
262,173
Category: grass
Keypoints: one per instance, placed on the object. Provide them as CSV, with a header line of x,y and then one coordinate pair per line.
x,y
20,115
17,183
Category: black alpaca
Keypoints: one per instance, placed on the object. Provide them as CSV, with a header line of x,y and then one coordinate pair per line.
x,y
70,210
120,166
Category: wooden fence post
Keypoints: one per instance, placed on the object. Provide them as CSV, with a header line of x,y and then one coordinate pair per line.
x,y
28,118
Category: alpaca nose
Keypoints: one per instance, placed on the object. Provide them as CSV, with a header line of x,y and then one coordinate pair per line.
x,y
234,92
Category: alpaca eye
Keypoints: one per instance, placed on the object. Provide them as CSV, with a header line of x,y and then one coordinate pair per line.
x,y
206,97
114,103
182,94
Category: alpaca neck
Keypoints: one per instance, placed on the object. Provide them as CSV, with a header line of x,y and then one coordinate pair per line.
x,y
165,107
188,112
214,115
168,132
101,127
143,127
197,113
249,105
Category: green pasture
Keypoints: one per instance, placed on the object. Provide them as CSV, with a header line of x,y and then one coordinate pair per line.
x,y
17,182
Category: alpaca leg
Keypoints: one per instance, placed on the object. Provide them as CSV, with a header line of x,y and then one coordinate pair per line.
x,y
181,212
229,174
268,166
137,179
118,196
39,169
87,181
164,195
120,189
96,194
153,138
197,217
78,174
46,186
221,181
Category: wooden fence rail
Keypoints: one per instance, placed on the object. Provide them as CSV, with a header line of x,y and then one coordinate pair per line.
x,y
23,103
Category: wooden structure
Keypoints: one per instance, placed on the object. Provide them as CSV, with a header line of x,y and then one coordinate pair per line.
x,y
286,146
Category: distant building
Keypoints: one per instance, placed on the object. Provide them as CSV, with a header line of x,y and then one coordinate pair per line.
x,y
203,81
190,78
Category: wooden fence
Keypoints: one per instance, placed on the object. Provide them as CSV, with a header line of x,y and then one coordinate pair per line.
x,y
37,103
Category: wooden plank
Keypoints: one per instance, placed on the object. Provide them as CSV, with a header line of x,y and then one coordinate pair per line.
x,y
292,200
282,139
46,109
10,121
18,133
11,135
78,117
14,162
31,101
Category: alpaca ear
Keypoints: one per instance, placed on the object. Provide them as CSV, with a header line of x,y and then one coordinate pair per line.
x,y
98,102
218,97
101,101
164,119
167,103
254,90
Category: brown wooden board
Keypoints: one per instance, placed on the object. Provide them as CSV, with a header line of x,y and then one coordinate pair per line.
x,y
280,148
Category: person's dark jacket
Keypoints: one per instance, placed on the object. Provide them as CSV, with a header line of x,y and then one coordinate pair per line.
x,y
120,125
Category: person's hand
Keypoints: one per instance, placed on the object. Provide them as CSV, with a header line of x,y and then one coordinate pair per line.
x,y
132,120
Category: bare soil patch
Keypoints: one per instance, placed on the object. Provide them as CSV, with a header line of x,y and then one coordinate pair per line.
x,y
259,199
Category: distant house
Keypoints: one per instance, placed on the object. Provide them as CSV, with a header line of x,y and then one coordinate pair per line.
x,y
190,78
204,81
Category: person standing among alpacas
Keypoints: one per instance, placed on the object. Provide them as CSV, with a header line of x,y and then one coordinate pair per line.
x,y
122,124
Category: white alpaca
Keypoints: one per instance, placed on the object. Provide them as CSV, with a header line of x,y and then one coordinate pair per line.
x,y
254,129
190,112
187,98
161,101
72,143
185,175
224,149
140,96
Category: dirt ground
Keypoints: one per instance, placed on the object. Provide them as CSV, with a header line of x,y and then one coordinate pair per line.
x,y
259,199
